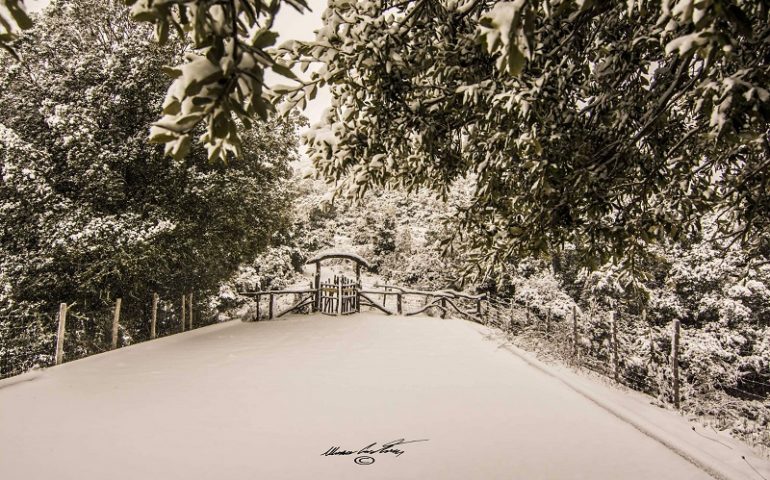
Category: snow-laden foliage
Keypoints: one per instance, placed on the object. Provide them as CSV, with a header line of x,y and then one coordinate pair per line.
x,y
601,125
89,211
717,292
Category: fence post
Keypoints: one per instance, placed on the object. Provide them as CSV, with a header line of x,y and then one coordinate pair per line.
x,y
358,288
675,361
548,322
259,299
154,320
615,362
115,322
510,316
339,295
184,312
443,307
574,332
317,286
60,333
270,308
478,308
190,310
399,305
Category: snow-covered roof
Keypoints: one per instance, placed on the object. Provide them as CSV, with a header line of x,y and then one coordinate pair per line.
x,y
338,254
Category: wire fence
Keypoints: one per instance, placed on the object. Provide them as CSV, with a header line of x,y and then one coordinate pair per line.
x,y
639,355
30,341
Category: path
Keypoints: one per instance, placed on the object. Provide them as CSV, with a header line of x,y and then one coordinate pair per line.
x,y
265,400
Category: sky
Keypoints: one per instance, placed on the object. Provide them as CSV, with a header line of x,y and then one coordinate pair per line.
x,y
290,25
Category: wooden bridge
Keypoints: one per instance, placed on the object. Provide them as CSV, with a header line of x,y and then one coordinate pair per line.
x,y
341,295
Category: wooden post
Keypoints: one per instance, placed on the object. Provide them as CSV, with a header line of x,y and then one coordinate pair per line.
x,y
615,361
399,306
190,310
115,322
548,321
259,299
154,320
60,333
270,308
358,272
317,286
443,305
675,361
478,308
184,312
510,316
574,332
339,297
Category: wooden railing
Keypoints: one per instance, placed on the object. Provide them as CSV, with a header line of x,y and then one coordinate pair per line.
x,y
352,297
445,301
303,298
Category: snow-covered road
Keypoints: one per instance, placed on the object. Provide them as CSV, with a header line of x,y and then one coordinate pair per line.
x,y
266,400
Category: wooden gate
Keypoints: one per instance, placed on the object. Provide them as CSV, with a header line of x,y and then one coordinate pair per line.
x,y
338,296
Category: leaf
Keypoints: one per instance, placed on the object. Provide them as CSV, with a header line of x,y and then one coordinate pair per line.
x,y
265,39
284,71
214,153
299,5
161,32
158,135
516,61
193,88
200,101
182,148
220,125
172,108
145,16
259,106
19,15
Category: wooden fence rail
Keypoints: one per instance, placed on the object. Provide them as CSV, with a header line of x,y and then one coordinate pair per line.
x,y
340,296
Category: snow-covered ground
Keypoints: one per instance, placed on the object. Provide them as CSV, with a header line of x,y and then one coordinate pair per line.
x,y
267,400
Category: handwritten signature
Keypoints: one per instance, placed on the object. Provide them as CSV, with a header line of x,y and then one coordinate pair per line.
x,y
372,448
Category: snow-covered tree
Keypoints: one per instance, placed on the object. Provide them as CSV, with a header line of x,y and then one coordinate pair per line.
x,y
601,125
605,125
90,211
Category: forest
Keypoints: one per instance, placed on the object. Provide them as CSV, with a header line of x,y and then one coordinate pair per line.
x,y
582,159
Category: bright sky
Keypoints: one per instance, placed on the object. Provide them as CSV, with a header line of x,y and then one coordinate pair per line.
x,y
291,25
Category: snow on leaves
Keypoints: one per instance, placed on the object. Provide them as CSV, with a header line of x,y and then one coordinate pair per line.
x,y
565,103
579,125
507,31
222,84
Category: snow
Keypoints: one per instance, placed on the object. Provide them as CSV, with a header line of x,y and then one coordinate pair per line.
x,y
266,400
686,43
327,254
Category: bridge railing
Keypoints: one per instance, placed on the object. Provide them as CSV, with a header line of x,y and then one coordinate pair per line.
x,y
445,302
303,299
